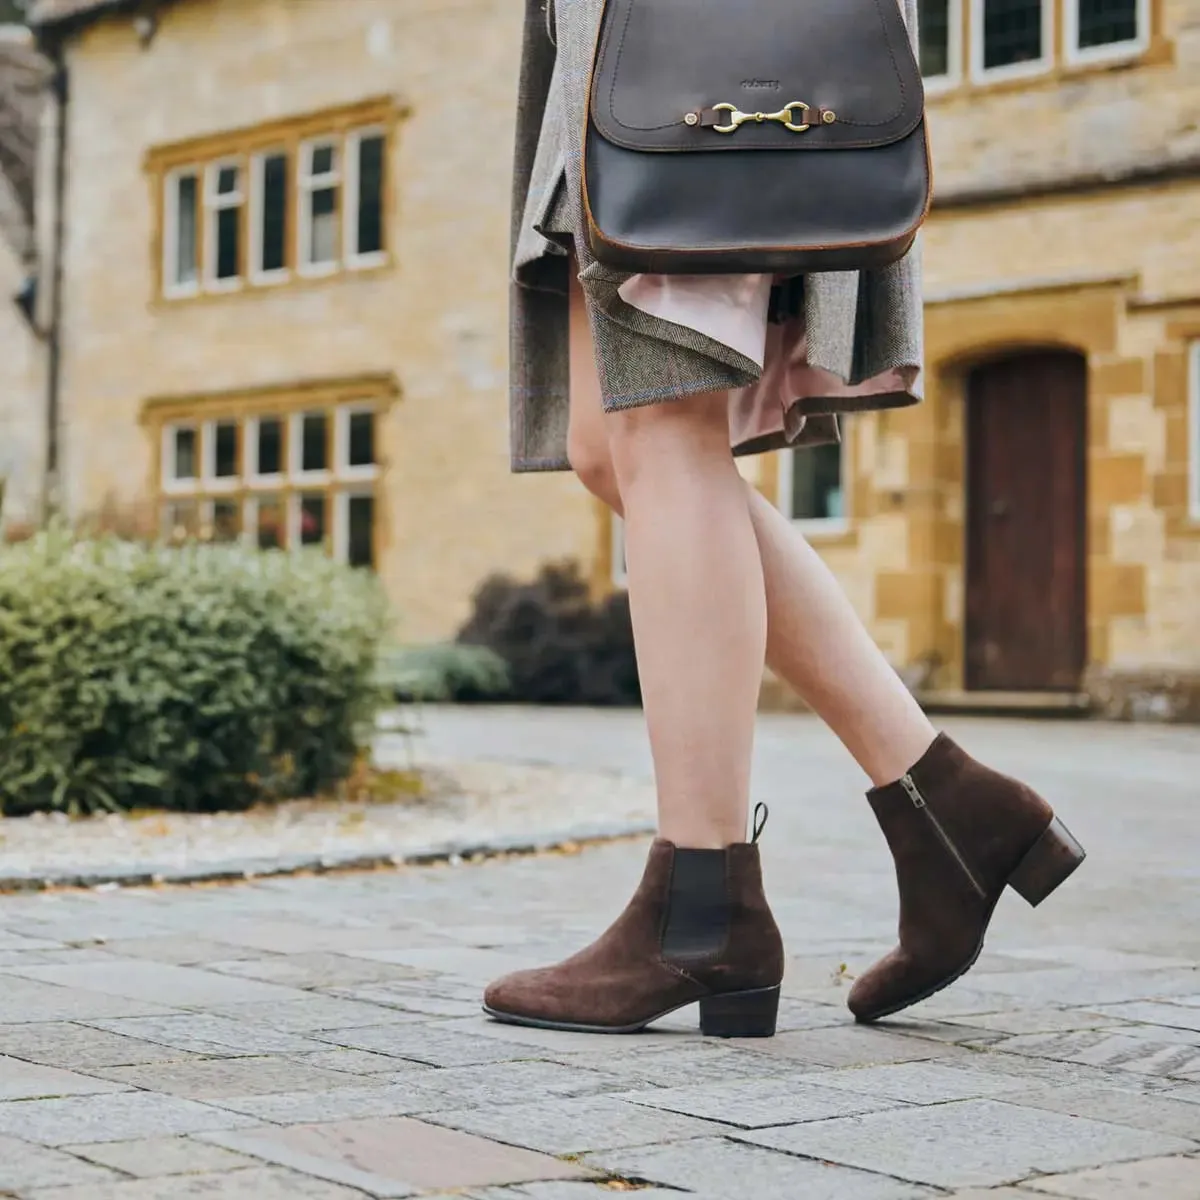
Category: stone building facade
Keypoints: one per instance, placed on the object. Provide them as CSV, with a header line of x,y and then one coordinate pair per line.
x,y
284,316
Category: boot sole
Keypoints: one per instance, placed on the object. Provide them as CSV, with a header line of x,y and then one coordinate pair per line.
x,y
751,1014
1050,862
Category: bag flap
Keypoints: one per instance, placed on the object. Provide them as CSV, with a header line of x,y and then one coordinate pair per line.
x,y
660,60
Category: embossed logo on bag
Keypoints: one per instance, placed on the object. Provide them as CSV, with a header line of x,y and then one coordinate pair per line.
x,y
761,85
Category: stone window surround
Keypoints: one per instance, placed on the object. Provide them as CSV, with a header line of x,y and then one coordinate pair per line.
x,y
1063,57
345,126
339,483
1193,430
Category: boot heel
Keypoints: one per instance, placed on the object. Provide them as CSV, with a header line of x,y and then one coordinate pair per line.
x,y
1048,864
740,1014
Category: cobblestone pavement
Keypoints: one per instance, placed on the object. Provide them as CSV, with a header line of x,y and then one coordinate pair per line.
x,y
321,1037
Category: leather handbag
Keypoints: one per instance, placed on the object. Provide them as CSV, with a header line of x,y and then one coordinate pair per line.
x,y
754,136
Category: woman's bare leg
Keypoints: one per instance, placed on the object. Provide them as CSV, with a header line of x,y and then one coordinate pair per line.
x,y
696,592
818,644
815,639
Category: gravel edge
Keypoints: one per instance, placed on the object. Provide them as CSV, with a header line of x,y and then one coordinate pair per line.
x,y
241,869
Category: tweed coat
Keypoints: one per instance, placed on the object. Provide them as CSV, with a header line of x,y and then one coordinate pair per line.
x,y
858,328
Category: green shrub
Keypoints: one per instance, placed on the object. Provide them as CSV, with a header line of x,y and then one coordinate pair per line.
x,y
561,645
444,673
196,678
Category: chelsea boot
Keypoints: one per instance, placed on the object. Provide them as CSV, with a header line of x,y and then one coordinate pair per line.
x,y
698,929
959,833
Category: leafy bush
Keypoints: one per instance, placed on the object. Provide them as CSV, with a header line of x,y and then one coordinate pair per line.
x,y
197,678
561,645
445,672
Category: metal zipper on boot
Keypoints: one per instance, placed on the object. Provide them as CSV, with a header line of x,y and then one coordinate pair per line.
x,y
914,794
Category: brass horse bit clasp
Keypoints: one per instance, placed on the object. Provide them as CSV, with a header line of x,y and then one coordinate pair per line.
x,y
783,116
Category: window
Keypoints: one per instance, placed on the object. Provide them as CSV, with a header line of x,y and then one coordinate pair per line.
x,y
269,217
181,268
620,569
223,235
299,198
274,478
812,486
1194,433
320,186
940,24
1011,37
1100,29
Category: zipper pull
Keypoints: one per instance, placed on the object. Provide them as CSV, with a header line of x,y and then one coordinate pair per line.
x,y
909,785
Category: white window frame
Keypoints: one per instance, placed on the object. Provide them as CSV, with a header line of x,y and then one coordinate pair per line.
x,y
350,196
171,287
171,485
1193,431
953,76
815,526
258,194
620,576
306,184
295,447
341,443
1076,55
208,446
1013,70
250,451
213,204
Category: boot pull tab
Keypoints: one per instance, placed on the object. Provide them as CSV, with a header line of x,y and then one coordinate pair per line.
x,y
761,813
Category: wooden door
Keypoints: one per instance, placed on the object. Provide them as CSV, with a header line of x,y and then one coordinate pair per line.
x,y
1026,623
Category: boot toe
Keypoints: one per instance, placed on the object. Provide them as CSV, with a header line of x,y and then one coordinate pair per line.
x,y
515,995
883,988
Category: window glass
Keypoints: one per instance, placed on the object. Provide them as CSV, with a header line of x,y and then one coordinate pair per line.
x,y
817,493
934,24
1012,32
184,446
361,534
186,199
314,442
274,212
227,522
313,526
270,532
1106,22
361,449
225,450
370,194
270,446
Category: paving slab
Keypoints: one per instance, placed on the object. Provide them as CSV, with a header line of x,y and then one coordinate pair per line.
x,y
372,1097
969,1143
690,1064
150,1158
312,970
64,1044
179,950
922,1082
1155,1179
431,1044
353,1062
717,1169
389,1157
124,1116
498,1084
575,1126
257,1183
30,1081
24,999
162,983
1172,1015
1089,988
201,1033
757,1103
211,1079
855,1046
24,1167
429,1003
1145,1055
313,1012
1040,1020
1160,1113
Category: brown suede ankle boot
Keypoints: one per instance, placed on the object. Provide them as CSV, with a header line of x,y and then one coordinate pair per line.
x,y
960,833
697,929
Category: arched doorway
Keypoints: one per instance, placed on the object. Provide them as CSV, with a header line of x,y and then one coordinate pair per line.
x,y
1026,522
